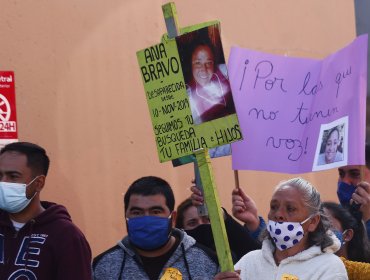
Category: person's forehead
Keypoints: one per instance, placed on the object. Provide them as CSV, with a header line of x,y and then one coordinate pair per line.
x,y
287,194
334,134
350,167
191,213
147,201
13,161
203,50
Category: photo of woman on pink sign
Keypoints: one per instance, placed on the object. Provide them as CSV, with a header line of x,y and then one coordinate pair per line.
x,y
332,146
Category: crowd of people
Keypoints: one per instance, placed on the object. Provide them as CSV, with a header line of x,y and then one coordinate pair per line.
x,y
302,238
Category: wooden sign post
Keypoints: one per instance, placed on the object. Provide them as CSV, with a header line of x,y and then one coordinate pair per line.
x,y
203,165
214,210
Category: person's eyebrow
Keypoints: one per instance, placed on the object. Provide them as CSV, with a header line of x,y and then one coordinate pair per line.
x,y
156,208
12,172
354,170
135,208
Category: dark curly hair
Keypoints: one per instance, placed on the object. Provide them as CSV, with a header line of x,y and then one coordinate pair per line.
x,y
37,159
151,185
183,206
358,248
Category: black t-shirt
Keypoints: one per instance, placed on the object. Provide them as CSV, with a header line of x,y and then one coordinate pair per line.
x,y
153,266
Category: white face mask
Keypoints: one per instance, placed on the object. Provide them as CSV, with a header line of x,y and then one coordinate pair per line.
x,y
286,234
13,197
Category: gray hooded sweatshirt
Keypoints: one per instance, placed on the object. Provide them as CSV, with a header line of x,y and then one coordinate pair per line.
x,y
121,262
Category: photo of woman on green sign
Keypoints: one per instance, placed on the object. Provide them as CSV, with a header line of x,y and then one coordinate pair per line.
x,y
206,76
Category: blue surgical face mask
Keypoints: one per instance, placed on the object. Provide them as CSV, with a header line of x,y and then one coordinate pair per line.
x,y
344,193
149,232
339,235
13,197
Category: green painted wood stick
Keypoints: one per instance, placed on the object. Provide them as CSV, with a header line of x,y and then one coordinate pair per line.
x,y
203,162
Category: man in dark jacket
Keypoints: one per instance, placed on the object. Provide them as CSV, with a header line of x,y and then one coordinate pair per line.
x,y
153,248
354,189
37,239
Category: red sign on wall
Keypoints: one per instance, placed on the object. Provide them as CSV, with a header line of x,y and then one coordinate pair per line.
x,y
8,116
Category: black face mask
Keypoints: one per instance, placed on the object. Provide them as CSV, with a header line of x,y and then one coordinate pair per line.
x,y
203,235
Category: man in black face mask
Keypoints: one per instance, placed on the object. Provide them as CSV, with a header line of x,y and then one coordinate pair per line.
x,y
154,249
354,193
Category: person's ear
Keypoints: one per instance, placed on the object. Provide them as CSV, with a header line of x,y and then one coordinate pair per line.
x,y
313,223
39,183
173,218
366,174
126,223
348,235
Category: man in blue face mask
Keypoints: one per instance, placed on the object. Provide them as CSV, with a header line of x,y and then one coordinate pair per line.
x,y
153,248
353,191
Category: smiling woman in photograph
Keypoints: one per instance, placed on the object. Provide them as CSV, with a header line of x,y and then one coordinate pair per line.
x,y
331,144
209,89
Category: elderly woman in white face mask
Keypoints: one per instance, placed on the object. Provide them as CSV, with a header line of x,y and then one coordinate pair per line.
x,y
297,243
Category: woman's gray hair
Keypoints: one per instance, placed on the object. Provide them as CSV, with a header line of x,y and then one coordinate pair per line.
x,y
310,195
312,200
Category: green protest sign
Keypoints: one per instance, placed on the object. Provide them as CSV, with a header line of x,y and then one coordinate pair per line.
x,y
211,117
188,92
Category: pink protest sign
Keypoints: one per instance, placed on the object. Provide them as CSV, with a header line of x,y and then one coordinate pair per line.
x,y
299,115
